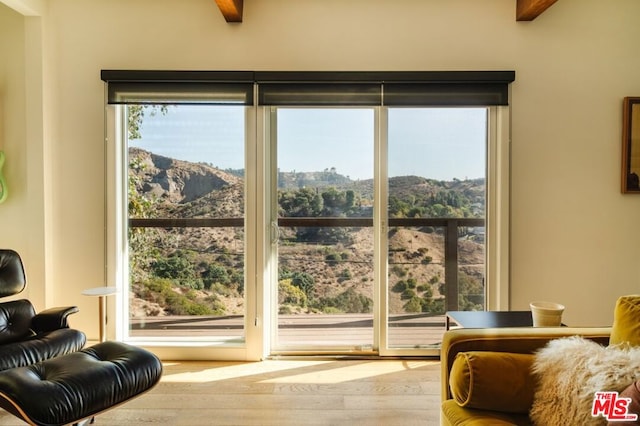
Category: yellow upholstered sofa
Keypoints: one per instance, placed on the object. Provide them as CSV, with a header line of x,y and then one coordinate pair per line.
x,y
491,380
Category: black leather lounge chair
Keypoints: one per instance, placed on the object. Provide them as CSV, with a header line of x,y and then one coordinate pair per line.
x,y
27,337
46,378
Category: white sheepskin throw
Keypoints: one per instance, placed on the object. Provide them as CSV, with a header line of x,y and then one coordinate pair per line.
x,y
570,370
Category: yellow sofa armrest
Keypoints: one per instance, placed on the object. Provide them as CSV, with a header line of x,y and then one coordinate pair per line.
x,y
523,340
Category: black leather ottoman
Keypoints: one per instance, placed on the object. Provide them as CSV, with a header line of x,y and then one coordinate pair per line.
x,y
77,386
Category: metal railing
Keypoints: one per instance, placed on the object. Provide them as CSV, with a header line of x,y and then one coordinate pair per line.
x,y
450,225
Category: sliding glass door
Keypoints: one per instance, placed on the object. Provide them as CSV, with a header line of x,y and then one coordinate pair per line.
x,y
186,243
377,224
373,249
323,206
257,213
436,207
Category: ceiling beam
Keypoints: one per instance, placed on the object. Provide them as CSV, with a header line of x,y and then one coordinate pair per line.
x,y
231,9
528,10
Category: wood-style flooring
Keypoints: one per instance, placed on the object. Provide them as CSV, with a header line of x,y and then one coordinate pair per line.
x,y
285,392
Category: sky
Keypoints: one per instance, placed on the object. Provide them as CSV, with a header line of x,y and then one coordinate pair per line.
x,y
437,143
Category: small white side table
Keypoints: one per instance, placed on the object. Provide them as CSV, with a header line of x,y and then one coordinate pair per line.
x,y
101,293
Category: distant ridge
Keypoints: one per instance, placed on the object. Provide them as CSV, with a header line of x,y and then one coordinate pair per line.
x,y
340,261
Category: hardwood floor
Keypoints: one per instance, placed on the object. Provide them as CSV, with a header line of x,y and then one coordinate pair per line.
x,y
289,392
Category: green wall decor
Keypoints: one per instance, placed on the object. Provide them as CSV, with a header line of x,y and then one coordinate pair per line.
x,y
3,184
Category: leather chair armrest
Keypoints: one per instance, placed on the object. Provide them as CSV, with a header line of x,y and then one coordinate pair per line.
x,y
52,319
523,340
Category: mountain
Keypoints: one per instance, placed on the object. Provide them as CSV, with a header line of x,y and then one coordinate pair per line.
x,y
183,189
333,266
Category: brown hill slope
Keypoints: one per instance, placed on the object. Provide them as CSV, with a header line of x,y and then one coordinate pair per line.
x,y
180,189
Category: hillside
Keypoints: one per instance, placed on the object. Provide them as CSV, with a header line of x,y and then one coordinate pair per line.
x,y
182,189
320,270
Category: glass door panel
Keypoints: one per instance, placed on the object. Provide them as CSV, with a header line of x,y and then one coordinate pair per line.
x,y
325,241
436,213
186,222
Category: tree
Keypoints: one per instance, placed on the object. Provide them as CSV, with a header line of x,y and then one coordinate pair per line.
x,y
304,202
333,200
135,116
413,305
177,268
304,282
350,198
290,294
141,254
398,207
349,301
215,274
470,292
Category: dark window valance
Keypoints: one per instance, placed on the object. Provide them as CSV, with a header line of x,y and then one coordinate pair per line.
x,y
443,94
309,88
178,87
180,93
318,94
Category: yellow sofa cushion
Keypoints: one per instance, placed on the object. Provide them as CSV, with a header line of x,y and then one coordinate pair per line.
x,y
499,381
454,415
626,321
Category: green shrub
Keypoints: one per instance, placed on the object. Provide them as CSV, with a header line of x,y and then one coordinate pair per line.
x,y
398,271
400,286
285,310
160,290
303,281
349,301
413,305
333,259
175,267
407,294
423,287
215,274
344,275
290,294
433,306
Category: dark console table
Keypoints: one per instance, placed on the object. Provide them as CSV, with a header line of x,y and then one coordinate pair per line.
x,y
489,319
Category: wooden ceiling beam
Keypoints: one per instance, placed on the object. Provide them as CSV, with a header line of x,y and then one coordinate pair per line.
x,y
528,10
231,9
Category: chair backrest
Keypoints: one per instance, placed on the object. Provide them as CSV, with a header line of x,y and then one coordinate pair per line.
x,y
12,276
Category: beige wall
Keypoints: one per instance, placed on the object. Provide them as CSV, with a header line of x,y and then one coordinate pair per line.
x,y
13,132
12,118
25,136
574,235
